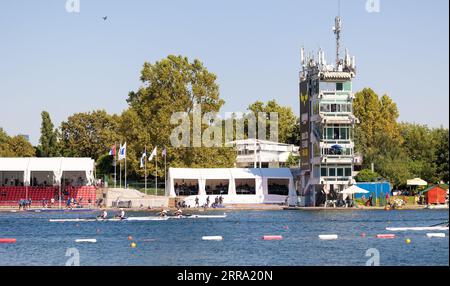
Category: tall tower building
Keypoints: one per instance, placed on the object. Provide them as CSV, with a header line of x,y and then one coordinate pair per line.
x,y
326,124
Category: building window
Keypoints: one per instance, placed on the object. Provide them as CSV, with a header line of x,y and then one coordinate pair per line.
x,y
348,172
216,187
323,172
332,172
340,172
339,86
278,187
245,186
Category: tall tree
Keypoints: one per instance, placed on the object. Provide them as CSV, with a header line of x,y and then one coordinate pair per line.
x,y
49,137
419,145
286,119
88,134
378,136
16,146
441,138
171,85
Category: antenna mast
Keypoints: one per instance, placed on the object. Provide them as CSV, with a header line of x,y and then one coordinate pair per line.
x,y
337,32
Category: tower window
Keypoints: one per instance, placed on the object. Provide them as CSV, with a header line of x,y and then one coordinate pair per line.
x,y
339,86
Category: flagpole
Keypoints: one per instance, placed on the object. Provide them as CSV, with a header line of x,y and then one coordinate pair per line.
x,y
145,170
165,170
115,166
120,174
126,187
156,175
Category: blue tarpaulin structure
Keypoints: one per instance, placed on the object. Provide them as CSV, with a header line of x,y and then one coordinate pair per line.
x,y
374,188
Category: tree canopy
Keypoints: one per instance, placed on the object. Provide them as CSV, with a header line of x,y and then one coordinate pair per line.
x,y
49,138
16,146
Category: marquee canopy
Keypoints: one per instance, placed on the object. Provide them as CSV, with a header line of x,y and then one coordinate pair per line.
x,y
57,166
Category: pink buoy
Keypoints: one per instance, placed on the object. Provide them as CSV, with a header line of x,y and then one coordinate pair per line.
x,y
387,235
363,234
7,240
272,237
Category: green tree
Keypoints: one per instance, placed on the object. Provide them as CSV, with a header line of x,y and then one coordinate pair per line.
x,y
367,175
441,138
88,134
175,84
378,137
286,119
16,146
49,137
420,148
292,161
21,147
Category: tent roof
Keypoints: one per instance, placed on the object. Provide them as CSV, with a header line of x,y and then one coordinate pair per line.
x,y
416,182
354,189
46,164
228,173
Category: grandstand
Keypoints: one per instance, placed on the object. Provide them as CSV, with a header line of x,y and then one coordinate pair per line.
x,y
44,179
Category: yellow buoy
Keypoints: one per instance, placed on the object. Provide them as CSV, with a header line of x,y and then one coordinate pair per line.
x,y
408,241
133,245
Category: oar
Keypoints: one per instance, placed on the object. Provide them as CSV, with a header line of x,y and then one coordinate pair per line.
x,y
440,223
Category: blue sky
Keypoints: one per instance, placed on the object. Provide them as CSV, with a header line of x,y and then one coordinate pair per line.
x,y
75,62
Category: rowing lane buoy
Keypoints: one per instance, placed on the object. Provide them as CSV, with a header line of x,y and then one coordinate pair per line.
x,y
387,235
328,236
272,237
91,240
213,237
436,234
7,240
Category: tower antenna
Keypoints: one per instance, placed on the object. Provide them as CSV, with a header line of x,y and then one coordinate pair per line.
x,y
337,32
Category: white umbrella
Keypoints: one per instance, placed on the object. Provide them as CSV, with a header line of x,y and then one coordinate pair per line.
x,y
354,190
416,182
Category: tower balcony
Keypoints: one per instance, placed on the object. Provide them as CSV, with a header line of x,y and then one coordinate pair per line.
x,y
336,118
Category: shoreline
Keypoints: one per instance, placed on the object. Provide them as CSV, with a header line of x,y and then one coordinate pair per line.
x,y
226,208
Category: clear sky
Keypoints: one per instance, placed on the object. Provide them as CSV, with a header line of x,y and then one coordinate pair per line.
x,y
76,62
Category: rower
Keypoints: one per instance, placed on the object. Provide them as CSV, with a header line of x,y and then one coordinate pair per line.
x,y
163,213
104,215
179,212
121,214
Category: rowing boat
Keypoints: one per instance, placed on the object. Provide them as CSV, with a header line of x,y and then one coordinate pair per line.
x,y
148,218
199,216
418,228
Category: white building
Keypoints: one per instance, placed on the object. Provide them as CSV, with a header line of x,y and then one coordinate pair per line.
x,y
254,153
235,185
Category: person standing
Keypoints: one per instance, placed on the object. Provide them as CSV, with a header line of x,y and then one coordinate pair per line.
x,y
196,202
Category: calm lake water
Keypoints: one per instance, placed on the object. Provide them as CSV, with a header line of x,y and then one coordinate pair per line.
x,y
178,241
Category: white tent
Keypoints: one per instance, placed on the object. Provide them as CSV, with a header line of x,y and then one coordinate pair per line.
x,y
354,189
230,176
416,182
48,167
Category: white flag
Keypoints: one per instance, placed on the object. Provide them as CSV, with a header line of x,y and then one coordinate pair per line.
x,y
123,151
152,155
143,158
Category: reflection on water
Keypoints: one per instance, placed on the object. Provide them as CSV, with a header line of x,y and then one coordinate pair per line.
x,y
178,241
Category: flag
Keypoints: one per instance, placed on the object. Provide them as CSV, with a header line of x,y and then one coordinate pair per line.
x,y
143,158
123,151
164,152
112,151
153,154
